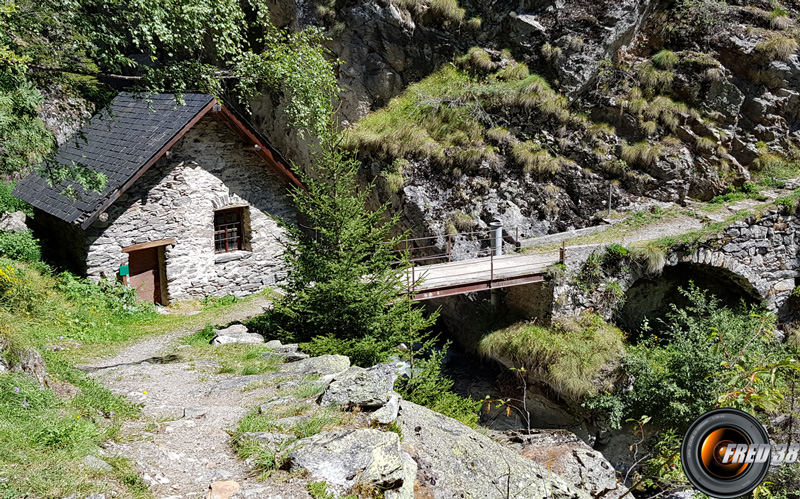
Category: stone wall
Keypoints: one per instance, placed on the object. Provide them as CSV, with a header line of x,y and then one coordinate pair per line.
x,y
758,254
207,171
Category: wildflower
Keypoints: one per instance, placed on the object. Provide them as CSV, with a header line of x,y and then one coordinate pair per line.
x,y
16,389
145,392
25,403
111,414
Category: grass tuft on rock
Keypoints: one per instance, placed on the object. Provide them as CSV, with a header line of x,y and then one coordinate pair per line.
x,y
569,357
777,48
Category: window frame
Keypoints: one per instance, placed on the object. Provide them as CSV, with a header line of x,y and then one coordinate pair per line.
x,y
238,224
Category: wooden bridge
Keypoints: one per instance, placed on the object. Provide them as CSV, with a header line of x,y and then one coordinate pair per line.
x,y
439,266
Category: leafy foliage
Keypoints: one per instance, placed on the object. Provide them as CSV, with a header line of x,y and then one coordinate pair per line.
x,y
20,246
208,46
705,354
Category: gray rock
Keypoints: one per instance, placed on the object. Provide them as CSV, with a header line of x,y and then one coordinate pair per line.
x,y
319,366
272,440
279,402
235,334
388,413
32,364
569,457
294,356
367,388
96,464
456,461
344,458
13,222
195,412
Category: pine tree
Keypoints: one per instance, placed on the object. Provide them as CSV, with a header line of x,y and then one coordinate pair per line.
x,y
344,291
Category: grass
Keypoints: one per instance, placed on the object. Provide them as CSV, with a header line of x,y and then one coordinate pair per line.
x,y
43,438
641,153
478,59
778,47
568,357
439,117
447,10
666,59
534,159
772,170
654,79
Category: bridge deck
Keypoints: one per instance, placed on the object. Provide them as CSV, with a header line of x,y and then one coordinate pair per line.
x,y
480,274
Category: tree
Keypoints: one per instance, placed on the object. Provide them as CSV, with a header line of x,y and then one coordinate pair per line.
x,y
344,292
226,47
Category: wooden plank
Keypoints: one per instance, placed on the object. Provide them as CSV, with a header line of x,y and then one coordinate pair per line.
x,y
151,244
480,285
153,159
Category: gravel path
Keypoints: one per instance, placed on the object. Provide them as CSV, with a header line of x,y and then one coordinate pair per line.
x,y
181,443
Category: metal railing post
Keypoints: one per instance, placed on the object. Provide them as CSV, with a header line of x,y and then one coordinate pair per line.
x,y
562,252
449,247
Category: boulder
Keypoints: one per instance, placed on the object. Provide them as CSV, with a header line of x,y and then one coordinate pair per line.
x,y
456,461
222,490
319,366
235,334
369,458
367,388
388,413
13,222
570,458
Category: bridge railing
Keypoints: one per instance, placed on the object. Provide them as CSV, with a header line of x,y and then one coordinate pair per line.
x,y
466,273
440,248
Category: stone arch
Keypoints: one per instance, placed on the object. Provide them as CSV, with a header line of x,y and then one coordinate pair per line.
x,y
650,296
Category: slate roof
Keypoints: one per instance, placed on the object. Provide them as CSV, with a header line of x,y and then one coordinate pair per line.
x,y
117,142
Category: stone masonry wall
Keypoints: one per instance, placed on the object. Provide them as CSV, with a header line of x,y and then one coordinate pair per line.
x,y
207,171
759,254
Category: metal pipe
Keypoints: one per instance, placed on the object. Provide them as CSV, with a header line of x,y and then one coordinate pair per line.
x,y
496,229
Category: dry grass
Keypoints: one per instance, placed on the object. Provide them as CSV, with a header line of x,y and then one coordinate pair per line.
x,y
534,159
706,145
475,23
779,47
477,60
440,117
447,10
515,72
500,135
551,53
779,19
641,153
654,79
569,358
648,127
463,222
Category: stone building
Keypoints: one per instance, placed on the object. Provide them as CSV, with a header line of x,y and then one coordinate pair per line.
x,y
189,203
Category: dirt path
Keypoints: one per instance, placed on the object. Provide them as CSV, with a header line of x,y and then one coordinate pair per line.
x,y
180,444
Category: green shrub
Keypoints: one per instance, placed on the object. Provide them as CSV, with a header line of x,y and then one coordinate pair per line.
x,y
427,386
114,296
20,246
365,352
683,369
17,289
212,302
10,203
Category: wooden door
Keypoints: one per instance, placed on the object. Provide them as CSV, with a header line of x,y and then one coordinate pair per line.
x,y
145,277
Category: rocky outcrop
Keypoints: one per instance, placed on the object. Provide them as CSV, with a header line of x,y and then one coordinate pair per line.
x,y
456,461
570,458
13,222
235,334
368,458
358,387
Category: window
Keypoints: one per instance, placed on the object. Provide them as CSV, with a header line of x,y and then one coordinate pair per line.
x,y
228,230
